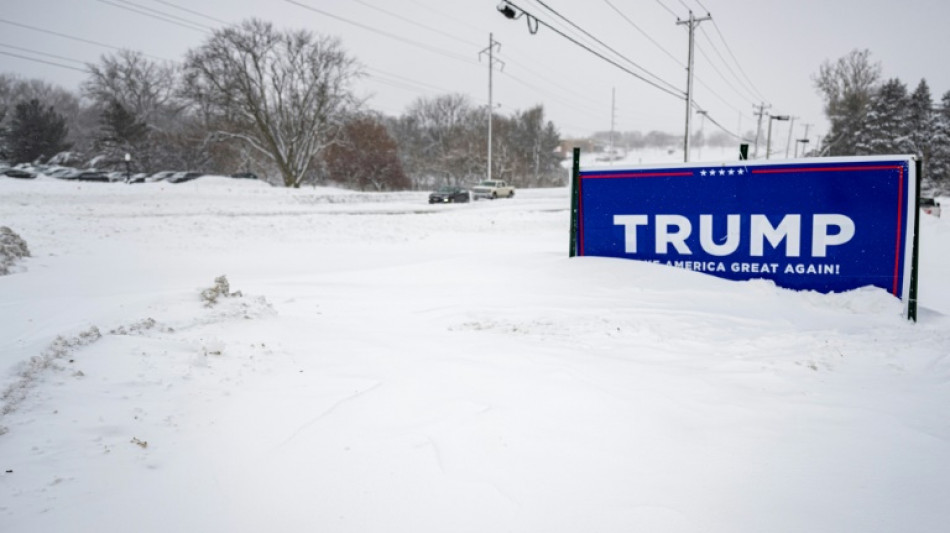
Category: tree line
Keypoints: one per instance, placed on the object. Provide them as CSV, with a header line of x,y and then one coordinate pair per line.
x,y
871,116
282,104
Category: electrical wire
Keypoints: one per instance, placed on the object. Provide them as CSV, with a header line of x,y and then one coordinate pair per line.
x,y
415,23
666,7
682,3
738,64
72,37
37,52
378,31
712,65
601,43
193,12
33,59
145,12
598,54
726,64
651,39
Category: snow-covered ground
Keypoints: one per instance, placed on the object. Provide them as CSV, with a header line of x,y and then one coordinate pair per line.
x,y
391,366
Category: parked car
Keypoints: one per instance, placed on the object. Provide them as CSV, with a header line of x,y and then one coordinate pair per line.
x,y
449,195
161,176
64,173
245,175
492,189
18,173
93,175
930,206
181,177
118,175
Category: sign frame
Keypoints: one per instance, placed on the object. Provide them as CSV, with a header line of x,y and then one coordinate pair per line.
x,y
871,200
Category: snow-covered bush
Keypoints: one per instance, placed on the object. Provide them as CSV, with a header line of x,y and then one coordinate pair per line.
x,y
12,248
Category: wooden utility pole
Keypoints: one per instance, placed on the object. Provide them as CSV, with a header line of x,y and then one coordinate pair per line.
x,y
691,24
759,112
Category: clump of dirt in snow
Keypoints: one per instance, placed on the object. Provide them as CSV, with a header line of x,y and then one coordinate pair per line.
x,y
221,289
12,248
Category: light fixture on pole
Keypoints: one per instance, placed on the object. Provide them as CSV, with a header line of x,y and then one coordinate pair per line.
x,y
768,142
128,167
804,143
509,12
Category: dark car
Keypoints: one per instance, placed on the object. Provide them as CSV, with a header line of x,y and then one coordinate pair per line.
x,y
18,173
93,175
449,195
245,175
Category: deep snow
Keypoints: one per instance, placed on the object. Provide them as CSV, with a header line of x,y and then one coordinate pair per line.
x,y
394,366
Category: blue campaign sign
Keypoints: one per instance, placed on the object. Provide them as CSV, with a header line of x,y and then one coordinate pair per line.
x,y
827,224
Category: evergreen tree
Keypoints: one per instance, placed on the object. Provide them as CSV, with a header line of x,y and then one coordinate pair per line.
x,y
3,134
885,127
120,132
921,121
35,132
534,142
937,175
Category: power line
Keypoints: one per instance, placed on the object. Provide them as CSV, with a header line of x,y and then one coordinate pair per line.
x,y
689,9
377,31
726,64
193,12
405,80
456,20
651,39
591,50
72,37
699,79
163,17
37,52
416,23
598,41
738,64
717,71
666,7
44,62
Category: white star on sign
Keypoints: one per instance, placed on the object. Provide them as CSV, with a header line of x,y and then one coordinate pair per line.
x,y
722,172
732,171
741,172
702,172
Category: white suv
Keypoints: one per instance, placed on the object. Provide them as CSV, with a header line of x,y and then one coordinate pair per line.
x,y
492,189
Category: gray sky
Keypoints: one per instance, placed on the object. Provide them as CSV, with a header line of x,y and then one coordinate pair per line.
x,y
750,52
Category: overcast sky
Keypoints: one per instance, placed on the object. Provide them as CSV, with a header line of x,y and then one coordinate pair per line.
x,y
750,52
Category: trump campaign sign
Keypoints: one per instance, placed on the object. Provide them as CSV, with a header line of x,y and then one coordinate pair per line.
x,y
823,224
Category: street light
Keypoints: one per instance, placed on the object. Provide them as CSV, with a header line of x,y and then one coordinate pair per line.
x,y
505,9
768,142
128,168
804,143
513,12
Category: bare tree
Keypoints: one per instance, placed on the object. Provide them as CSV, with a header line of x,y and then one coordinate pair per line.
x,y
847,85
145,88
284,94
441,140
